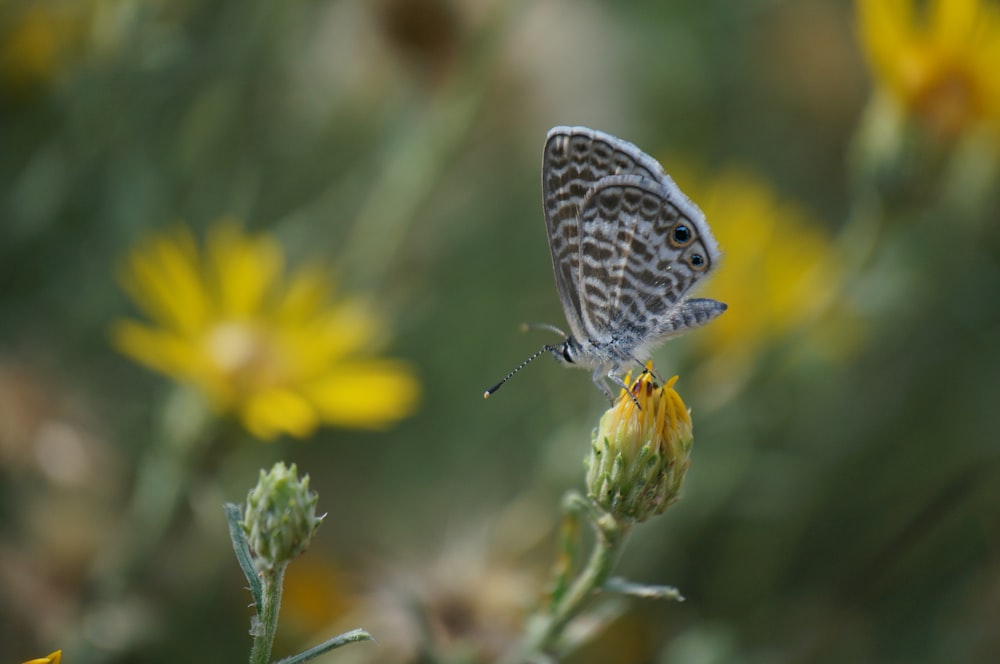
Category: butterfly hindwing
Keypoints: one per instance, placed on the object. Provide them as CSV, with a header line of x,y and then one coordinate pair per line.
x,y
639,255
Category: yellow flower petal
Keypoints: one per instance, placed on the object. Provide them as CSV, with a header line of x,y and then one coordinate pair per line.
x,y
271,413
306,295
164,351
163,279
51,658
329,331
349,328
158,349
953,20
370,395
242,268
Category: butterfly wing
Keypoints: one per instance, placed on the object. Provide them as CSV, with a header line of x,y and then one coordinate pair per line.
x,y
643,245
575,160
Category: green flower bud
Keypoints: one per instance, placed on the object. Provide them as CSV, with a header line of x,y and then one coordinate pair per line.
x,y
280,518
641,451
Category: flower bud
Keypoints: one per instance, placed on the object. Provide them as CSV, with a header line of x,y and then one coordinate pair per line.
x,y
280,518
641,451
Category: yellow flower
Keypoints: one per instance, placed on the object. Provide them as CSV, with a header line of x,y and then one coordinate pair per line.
x,y
938,64
268,347
641,450
779,274
52,658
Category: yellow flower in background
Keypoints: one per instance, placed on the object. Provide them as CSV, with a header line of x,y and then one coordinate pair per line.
x,y
52,658
937,60
271,348
779,274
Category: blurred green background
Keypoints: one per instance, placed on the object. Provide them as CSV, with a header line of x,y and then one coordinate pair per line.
x,y
843,499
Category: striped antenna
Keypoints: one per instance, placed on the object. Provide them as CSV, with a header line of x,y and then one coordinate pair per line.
x,y
545,348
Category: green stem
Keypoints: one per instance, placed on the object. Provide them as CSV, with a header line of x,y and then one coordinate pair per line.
x,y
265,630
574,506
611,534
858,239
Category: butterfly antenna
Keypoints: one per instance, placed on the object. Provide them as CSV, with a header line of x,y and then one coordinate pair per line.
x,y
529,326
546,347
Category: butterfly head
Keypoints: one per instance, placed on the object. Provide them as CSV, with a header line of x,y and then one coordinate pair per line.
x,y
567,352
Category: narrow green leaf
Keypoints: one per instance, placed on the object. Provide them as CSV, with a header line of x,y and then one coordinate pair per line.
x,y
242,551
620,585
353,636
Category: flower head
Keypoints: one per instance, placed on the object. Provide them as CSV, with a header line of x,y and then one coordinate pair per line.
x,y
271,348
280,518
641,450
938,64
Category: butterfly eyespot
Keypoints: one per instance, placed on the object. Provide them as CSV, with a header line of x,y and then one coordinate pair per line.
x,y
697,262
681,236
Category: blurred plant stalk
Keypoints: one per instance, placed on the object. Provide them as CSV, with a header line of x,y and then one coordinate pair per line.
x,y
186,429
163,477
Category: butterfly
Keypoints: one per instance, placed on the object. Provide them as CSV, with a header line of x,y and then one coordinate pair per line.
x,y
627,246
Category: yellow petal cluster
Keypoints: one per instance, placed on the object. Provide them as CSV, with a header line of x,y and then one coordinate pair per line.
x,y
274,349
641,450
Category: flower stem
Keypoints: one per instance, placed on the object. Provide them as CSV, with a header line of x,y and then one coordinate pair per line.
x,y
611,533
267,625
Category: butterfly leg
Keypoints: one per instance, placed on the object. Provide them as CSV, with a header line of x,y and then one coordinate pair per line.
x,y
656,374
615,378
598,378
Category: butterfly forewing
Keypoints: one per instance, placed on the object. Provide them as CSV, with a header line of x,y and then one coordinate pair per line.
x,y
575,160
